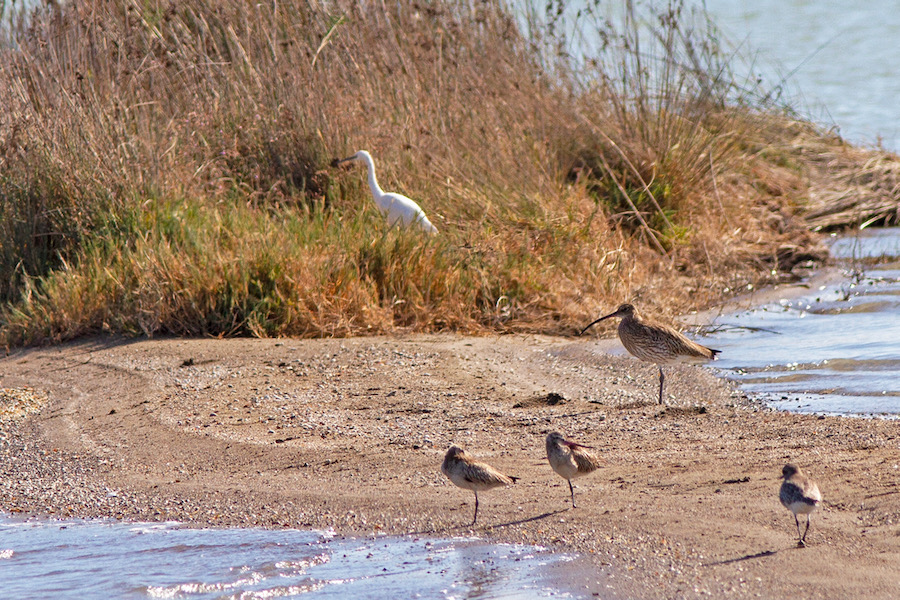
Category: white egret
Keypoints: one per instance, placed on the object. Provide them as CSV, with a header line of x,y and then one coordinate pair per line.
x,y
396,207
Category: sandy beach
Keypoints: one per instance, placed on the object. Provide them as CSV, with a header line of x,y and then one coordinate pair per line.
x,y
350,434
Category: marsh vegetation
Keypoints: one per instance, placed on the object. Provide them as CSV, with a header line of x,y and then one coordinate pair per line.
x,y
165,168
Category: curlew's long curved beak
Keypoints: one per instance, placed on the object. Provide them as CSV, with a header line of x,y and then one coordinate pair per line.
x,y
597,321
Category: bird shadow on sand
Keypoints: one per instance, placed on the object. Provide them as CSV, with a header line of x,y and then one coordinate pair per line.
x,y
532,519
489,526
730,561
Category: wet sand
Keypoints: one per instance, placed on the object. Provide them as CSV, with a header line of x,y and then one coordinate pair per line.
x,y
350,434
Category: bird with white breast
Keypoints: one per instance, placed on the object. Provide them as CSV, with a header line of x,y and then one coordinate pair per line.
x,y
470,474
800,495
570,459
397,208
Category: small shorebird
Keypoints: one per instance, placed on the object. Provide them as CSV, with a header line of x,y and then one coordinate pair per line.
x,y
470,474
800,495
569,459
654,342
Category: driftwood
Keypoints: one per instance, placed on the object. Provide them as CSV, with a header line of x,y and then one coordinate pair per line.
x,y
852,187
852,207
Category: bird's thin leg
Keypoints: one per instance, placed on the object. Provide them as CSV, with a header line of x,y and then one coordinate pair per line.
x,y
662,378
572,492
475,518
800,541
805,531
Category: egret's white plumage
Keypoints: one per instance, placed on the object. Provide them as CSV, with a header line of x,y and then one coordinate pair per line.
x,y
396,207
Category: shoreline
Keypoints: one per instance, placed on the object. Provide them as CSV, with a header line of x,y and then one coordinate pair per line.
x,y
256,432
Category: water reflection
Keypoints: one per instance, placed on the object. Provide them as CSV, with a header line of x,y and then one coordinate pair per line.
x,y
808,41
834,349
55,559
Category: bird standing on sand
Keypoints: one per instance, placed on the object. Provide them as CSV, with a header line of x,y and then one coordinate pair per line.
x,y
470,474
800,495
569,459
396,207
654,342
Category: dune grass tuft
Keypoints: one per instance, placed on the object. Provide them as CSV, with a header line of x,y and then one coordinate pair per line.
x,y
165,168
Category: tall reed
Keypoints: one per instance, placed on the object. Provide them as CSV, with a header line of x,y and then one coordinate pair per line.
x,y
164,167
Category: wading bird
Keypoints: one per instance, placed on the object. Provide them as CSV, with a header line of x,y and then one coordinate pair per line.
x,y
395,207
656,343
569,459
470,474
800,495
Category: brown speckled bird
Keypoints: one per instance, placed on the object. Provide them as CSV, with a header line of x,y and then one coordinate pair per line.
x,y
656,343
470,474
569,459
800,495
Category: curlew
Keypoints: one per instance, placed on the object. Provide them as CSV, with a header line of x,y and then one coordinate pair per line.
x,y
656,343
570,459
470,474
800,495
397,208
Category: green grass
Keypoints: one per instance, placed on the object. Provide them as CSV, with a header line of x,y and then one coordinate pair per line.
x,y
165,168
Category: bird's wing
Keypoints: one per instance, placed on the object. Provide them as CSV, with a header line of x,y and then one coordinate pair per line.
x,y
671,337
585,461
792,492
485,474
398,207
401,204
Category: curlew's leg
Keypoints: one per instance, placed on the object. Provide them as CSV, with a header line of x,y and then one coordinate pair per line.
x,y
662,378
475,518
800,541
572,492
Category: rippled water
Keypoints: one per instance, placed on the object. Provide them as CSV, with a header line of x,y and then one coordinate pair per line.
x,y
835,349
99,559
840,58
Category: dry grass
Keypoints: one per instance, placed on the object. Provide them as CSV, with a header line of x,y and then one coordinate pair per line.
x,y
849,186
165,169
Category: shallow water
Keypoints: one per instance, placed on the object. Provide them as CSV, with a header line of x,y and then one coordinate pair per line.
x,y
839,58
833,350
831,60
101,559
